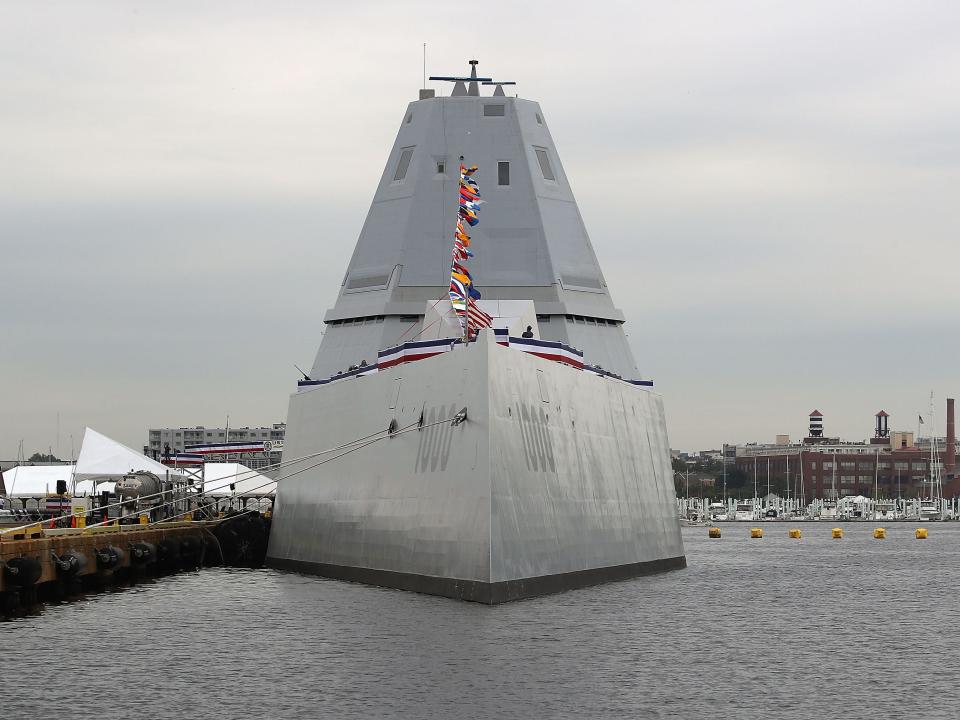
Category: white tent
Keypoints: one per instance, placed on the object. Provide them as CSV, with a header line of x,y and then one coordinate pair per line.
x,y
35,480
92,487
104,459
218,477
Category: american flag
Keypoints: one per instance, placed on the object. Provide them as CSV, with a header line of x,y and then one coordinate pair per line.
x,y
477,318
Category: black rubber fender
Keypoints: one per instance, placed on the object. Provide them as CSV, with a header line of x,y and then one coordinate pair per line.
x,y
108,557
70,564
168,554
190,551
243,539
22,571
142,553
9,601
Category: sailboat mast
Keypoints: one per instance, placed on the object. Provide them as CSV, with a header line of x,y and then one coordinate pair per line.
x,y
833,479
876,482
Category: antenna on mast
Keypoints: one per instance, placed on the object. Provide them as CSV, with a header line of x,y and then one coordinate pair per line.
x,y
460,88
499,84
424,66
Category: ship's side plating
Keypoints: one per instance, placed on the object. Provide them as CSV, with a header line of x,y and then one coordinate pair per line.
x,y
559,478
399,511
581,482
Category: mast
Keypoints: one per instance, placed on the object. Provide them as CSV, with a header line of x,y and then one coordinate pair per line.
x,y
802,493
768,478
935,489
833,478
724,474
876,482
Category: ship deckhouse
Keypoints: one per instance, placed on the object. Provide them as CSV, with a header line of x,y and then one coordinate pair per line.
x,y
534,242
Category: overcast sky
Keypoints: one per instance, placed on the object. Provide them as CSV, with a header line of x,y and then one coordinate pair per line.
x,y
771,187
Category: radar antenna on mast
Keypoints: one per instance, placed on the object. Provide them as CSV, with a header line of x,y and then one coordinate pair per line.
x,y
499,84
459,88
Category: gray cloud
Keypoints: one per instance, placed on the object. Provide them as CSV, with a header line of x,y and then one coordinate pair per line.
x,y
769,187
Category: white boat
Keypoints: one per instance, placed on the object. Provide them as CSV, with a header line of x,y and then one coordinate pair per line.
x,y
745,511
930,511
886,510
717,512
828,511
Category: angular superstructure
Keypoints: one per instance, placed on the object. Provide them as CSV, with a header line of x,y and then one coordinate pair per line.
x,y
491,470
532,240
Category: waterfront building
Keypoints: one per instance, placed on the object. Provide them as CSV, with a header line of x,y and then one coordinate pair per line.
x,y
171,441
839,469
890,464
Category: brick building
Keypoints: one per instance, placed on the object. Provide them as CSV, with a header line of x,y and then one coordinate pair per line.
x,y
842,469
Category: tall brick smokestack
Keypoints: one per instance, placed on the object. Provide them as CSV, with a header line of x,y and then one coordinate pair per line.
x,y
950,455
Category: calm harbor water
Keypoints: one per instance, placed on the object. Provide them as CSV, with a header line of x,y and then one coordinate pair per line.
x,y
771,628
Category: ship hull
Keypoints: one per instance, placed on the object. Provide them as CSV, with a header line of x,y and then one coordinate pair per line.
x,y
557,479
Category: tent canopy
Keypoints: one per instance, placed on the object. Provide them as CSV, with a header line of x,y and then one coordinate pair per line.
x,y
102,458
35,480
217,478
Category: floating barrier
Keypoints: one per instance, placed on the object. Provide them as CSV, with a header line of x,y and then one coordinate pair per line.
x,y
880,533
756,532
713,532
794,533
921,534
838,533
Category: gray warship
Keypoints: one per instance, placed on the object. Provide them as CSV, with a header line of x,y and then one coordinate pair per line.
x,y
532,459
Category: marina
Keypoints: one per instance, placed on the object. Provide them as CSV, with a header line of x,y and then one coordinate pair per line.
x,y
846,509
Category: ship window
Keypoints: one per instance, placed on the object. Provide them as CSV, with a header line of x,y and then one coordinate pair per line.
x,y
403,164
409,118
441,167
493,110
503,173
544,159
539,119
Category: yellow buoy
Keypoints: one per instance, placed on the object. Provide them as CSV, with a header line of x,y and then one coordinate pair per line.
x,y
794,533
921,533
837,533
714,532
756,532
880,533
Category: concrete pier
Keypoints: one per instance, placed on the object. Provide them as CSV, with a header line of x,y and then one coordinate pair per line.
x,y
39,563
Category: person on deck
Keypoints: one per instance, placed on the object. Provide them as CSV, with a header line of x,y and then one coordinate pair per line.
x,y
528,333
